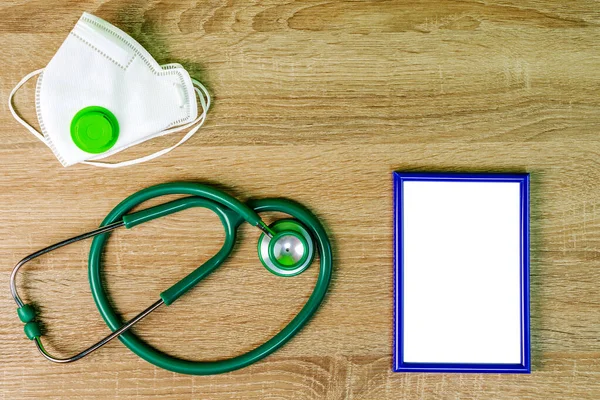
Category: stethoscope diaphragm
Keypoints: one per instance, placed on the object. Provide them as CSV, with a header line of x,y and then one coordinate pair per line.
x,y
290,251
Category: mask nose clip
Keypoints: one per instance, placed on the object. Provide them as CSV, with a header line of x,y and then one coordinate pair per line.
x,y
181,93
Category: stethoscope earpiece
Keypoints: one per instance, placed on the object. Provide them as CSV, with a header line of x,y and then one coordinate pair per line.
x,y
290,251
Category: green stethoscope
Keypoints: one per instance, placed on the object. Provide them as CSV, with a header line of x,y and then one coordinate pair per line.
x,y
286,248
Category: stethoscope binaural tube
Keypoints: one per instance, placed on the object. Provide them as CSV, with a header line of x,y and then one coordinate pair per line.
x,y
231,215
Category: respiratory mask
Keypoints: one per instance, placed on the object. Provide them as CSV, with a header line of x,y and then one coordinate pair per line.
x,y
102,92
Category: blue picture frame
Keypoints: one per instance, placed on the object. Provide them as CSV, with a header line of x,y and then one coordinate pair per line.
x,y
524,367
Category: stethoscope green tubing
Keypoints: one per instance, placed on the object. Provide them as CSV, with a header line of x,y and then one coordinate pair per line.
x,y
249,213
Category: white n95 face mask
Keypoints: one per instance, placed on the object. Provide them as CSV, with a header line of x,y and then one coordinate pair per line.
x,y
103,92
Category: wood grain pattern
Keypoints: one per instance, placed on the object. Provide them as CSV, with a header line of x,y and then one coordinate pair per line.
x,y
317,101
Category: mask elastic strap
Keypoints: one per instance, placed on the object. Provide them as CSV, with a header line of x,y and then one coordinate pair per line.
x,y
16,116
204,98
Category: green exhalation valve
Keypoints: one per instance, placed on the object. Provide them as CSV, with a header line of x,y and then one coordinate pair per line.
x,y
94,129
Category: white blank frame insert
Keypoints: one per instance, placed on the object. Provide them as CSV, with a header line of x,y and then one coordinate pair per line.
x,y
461,264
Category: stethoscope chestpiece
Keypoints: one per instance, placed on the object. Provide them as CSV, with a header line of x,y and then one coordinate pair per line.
x,y
290,251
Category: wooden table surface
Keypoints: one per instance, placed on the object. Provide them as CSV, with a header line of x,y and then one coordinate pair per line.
x,y
318,101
